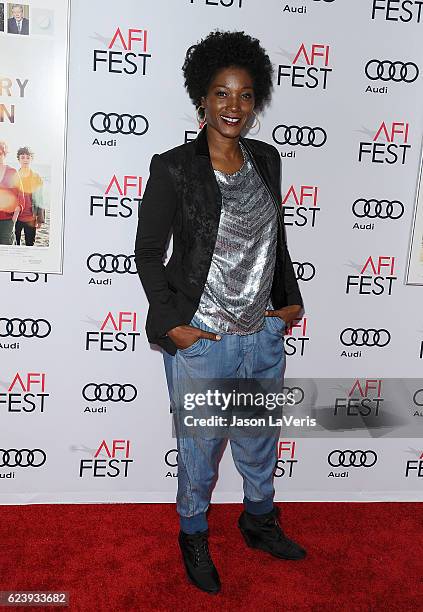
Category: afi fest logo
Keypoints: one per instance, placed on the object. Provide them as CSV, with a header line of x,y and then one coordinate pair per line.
x,y
310,68
133,58
364,399
414,467
224,3
114,465
295,338
400,11
300,205
29,277
25,393
286,458
120,335
118,199
389,145
375,278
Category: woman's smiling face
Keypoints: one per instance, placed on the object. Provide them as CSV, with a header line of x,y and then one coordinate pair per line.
x,y
230,101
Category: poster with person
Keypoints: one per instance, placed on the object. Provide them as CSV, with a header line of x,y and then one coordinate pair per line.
x,y
33,103
18,21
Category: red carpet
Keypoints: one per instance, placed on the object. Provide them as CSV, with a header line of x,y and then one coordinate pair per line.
x,y
121,557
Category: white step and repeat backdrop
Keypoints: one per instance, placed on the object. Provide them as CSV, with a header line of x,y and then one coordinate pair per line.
x,y
83,400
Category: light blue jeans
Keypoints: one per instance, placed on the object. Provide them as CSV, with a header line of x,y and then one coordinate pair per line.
x,y
257,355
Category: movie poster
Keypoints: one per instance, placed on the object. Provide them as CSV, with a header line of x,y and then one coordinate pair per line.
x,y
415,260
33,103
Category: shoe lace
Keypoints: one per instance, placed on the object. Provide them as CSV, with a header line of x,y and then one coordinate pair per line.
x,y
201,550
272,525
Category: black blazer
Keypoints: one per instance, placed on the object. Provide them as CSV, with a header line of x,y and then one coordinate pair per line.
x,y
182,194
12,27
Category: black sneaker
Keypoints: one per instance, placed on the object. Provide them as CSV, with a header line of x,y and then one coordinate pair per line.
x,y
263,531
198,562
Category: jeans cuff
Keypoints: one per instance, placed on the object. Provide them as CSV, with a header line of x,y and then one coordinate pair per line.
x,y
258,507
191,524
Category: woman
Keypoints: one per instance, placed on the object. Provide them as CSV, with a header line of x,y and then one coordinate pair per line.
x,y
32,217
11,198
220,306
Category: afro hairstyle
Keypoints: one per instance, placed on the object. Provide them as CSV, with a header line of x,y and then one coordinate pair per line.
x,y
219,50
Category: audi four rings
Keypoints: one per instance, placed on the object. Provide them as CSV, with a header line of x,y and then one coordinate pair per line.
x,y
24,328
104,392
297,392
386,70
349,458
378,209
365,337
22,458
304,271
109,263
295,135
125,124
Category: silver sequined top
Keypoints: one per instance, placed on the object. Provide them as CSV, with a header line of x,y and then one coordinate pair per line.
x,y
237,290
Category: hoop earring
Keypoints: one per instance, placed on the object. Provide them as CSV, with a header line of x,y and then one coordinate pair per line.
x,y
201,120
256,122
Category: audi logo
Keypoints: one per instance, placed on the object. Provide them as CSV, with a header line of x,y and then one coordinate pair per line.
x,y
24,328
349,458
365,337
378,209
109,263
415,396
304,271
297,392
294,135
104,392
171,457
22,458
391,71
112,123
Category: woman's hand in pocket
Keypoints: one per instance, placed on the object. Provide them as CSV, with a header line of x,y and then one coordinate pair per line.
x,y
287,313
183,336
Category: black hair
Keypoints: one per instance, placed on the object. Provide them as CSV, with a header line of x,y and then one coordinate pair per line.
x,y
24,151
223,49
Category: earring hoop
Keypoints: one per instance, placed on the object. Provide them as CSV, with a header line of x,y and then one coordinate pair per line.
x,y
256,122
201,120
